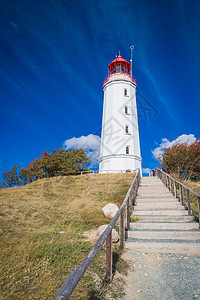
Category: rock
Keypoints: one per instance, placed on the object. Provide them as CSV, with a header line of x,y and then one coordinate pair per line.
x,y
35,214
110,210
115,236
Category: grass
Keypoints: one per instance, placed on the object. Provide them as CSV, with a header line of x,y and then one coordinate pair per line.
x,y
42,226
195,186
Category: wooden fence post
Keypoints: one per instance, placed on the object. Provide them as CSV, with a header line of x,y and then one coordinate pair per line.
x,y
131,203
171,186
189,204
122,230
168,185
181,194
198,199
175,190
109,258
127,214
135,192
161,176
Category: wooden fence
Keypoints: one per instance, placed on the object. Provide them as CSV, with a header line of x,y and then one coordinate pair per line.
x,y
184,192
106,171
123,215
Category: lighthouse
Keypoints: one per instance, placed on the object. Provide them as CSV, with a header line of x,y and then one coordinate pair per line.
x,y
120,144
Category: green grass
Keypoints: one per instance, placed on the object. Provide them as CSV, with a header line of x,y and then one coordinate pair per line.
x,y
42,233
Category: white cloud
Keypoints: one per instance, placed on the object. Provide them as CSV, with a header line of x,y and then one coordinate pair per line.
x,y
182,139
90,143
146,170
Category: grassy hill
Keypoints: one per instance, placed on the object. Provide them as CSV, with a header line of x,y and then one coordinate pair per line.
x,y
42,232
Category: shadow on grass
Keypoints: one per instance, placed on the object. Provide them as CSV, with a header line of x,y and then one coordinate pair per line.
x,y
99,293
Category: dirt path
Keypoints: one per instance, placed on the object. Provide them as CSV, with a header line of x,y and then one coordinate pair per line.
x,y
162,276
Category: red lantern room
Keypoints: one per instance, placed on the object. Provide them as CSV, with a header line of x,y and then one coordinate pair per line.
x,y
119,66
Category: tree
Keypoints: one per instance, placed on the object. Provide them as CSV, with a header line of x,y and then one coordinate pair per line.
x,y
57,163
10,178
183,160
23,176
34,170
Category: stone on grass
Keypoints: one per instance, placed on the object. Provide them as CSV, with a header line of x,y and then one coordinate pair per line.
x,y
110,210
115,236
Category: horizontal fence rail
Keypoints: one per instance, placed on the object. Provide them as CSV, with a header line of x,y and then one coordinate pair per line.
x,y
184,192
123,215
107,171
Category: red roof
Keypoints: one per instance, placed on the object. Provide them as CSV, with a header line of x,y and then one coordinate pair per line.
x,y
119,61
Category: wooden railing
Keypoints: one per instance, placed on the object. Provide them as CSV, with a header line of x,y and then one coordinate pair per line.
x,y
123,215
184,192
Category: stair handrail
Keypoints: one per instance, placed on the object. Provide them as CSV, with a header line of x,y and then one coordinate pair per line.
x,y
124,214
171,184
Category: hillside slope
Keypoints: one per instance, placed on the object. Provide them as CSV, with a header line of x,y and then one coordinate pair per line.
x,y
42,226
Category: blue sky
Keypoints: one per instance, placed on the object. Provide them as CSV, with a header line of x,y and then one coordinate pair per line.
x,y
54,57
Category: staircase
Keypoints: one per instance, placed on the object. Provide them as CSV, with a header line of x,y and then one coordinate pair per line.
x,y
162,224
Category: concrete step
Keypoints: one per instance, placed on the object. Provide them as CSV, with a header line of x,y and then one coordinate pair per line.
x,y
161,213
156,203
159,200
150,205
154,187
153,182
167,219
157,183
153,207
153,193
153,178
151,196
165,226
173,236
157,248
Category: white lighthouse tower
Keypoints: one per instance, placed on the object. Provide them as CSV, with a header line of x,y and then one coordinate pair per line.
x,y
120,144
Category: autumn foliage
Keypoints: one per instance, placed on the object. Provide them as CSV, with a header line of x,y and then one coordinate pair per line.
x,y
183,160
57,163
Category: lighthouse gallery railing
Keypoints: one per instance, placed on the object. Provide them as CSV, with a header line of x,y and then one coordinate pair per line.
x,y
121,75
123,215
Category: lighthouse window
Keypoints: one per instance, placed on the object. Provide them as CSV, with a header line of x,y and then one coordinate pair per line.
x,y
125,92
127,129
127,149
114,70
118,68
126,110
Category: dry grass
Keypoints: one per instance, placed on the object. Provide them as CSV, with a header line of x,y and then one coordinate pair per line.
x,y
42,232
